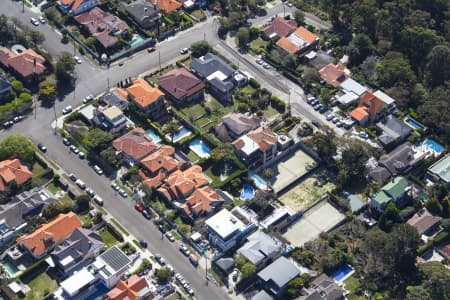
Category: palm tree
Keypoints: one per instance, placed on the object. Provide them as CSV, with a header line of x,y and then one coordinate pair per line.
x,y
171,128
268,175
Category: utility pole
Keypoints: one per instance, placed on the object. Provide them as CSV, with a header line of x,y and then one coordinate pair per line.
x,y
23,6
204,36
289,104
284,10
34,106
159,60
56,119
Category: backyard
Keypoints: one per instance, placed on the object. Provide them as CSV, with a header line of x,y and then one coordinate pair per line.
x,y
41,286
351,284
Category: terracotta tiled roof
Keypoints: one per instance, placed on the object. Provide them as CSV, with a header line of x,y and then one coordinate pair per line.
x,y
445,250
121,92
263,136
153,181
25,63
48,235
281,27
135,144
373,104
161,159
334,75
12,169
168,6
128,289
305,35
200,201
287,45
181,184
359,113
180,83
143,93
74,4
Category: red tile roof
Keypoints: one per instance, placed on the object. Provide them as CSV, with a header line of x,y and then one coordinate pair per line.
x,y
200,201
48,235
359,114
180,83
334,75
128,289
103,26
287,45
180,184
161,159
280,27
25,63
168,6
305,35
12,169
263,136
153,182
135,144
373,104
143,93
75,3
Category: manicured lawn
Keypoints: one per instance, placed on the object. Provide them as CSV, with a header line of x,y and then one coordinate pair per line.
x,y
269,112
351,284
176,235
192,156
198,14
37,169
85,218
40,286
66,199
107,237
138,244
258,44
53,188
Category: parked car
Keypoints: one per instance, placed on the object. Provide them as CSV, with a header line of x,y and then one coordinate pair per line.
x,y
193,259
67,109
98,170
42,20
115,186
146,214
323,109
34,22
77,59
316,123
335,119
80,183
88,98
310,99
184,250
72,177
81,155
42,147
18,118
161,228
339,123
184,51
138,207
170,236
317,106
143,243
259,61
75,150
66,142
235,274
330,116
363,135
160,259
98,200
266,66
8,124
190,291
151,49
123,193
90,192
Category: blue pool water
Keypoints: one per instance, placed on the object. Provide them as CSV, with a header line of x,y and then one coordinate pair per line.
x,y
247,192
433,145
183,132
10,267
259,182
137,40
156,138
342,273
200,148
413,123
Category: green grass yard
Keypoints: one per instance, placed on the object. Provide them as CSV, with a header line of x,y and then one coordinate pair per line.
x,y
37,169
107,237
53,188
40,287
258,45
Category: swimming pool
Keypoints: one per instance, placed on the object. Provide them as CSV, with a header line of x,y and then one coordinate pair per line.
x,y
137,40
342,273
10,267
183,132
200,148
259,182
156,138
433,145
247,193
413,123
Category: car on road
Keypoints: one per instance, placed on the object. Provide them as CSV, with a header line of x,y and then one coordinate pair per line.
x,y
80,183
8,124
151,49
339,123
77,59
184,250
316,123
289,4
74,149
266,66
363,135
42,20
34,22
98,200
330,116
310,99
143,243
259,61
67,109
184,51
115,186
146,214
123,193
193,259
81,155
98,170
323,109
170,237
66,142
317,106
160,259
18,118
235,274
90,192
161,228
42,147
138,207
88,98
190,291
72,177
335,119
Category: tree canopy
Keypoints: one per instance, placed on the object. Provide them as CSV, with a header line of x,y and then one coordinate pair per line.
x,y
17,146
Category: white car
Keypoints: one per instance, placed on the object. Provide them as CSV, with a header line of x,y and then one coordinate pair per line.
x,y
34,22
81,184
266,66
42,20
88,98
67,109
123,193
259,61
98,200
184,51
98,170
289,4
170,237
330,117
90,192
115,186
77,59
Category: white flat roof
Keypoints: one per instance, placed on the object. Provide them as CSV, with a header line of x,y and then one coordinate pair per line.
x,y
249,145
77,281
66,260
347,98
217,74
384,97
353,86
15,287
224,223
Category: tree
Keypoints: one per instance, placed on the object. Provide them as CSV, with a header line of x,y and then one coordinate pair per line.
x,y
65,67
436,69
389,217
99,139
52,210
289,61
17,146
47,91
200,48
359,49
262,200
171,128
394,69
295,286
299,17
417,293
239,260
352,163
90,42
109,155
436,279
36,37
434,206
163,274
17,86
310,76
82,203
247,270
268,175
223,153
325,143
243,37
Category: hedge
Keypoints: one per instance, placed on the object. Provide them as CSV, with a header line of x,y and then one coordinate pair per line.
x,y
254,84
35,269
115,232
277,103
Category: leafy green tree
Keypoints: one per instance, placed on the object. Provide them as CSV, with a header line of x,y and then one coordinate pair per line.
x,y
109,155
99,139
436,70
295,286
16,145
436,279
163,274
239,260
17,86
310,76
299,17
222,153
65,67
171,128
82,203
434,206
47,91
417,293
359,49
52,210
389,217
435,112
395,69
325,143
90,42
247,270
243,37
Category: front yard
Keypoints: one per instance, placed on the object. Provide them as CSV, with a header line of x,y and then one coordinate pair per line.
x,y
41,286
107,237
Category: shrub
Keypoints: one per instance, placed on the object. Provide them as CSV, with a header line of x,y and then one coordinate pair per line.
x,y
277,103
254,84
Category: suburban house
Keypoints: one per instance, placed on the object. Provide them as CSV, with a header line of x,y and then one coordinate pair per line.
x,y
13,214
389,102
276,276
147,98
5,85
425,223
261,295
168,6
103,26
143,12
134,145
76,7
440,170
110,119
299,41
133,288
45,238
225,230
181,86
393,131
179,185
157,166
202,202
397,162
27,65
234,125
334,75
117,97
369,110
444,250
110,266
12,170
218,74
80,246
350,91
260,249
257,147
395,191
325,288
76,286
279,27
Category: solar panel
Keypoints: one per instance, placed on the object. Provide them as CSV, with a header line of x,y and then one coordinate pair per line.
x,y
115,258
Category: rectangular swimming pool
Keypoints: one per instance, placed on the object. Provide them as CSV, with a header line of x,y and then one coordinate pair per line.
x,y
156,138
413,123
433,145
342,273
183,132
259,182
200,148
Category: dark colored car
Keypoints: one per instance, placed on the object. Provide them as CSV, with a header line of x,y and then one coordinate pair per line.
x,y
316,123
66,142
42,147
143,243
146,214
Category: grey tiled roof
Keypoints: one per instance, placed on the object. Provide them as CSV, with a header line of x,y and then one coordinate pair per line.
x,y
280,272
210,63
